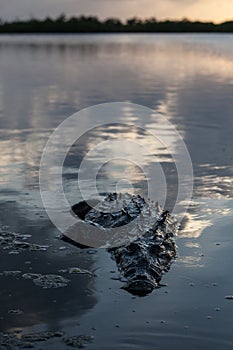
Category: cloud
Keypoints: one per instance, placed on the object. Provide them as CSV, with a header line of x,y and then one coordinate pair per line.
x,y
161,9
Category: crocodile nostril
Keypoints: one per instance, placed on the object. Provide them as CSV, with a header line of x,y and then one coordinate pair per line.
x,y
139,287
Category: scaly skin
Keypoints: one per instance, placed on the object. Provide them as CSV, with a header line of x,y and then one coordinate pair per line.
x,y
151,247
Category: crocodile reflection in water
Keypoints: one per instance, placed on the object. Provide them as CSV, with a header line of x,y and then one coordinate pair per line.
x,y
148,255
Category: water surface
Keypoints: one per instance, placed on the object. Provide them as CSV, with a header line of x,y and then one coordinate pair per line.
x,y
189,80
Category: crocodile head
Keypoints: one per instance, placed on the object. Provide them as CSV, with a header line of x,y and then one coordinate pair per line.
x,y
143,260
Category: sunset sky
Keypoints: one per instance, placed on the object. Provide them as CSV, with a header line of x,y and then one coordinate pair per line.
x,y
204,10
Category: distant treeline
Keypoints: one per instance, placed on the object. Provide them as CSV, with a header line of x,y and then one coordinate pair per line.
x,y
90,24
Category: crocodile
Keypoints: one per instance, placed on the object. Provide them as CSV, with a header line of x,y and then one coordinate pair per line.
x,y
149,249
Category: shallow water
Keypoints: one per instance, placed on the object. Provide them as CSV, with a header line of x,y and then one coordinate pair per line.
x,y
189,80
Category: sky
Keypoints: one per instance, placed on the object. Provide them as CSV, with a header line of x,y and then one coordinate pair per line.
x,y
204,10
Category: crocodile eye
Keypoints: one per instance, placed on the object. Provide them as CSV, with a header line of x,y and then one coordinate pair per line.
x,y
134,248
155,249
81,209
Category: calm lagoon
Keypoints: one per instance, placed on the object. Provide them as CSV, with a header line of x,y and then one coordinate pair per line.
x,y
189,80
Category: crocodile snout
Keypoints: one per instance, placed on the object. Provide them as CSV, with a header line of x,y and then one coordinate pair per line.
x,y
139,287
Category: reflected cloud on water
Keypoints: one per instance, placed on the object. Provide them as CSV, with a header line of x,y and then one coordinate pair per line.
x,y
44,79
205,212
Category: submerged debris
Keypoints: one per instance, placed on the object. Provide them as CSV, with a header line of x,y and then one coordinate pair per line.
x,y
10,273
78,341
51,281
31,275
8,341
77,270
16,242
47,281
15,312
42,336
12,341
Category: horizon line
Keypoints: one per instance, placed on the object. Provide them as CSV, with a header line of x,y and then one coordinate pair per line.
x,y
123,21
